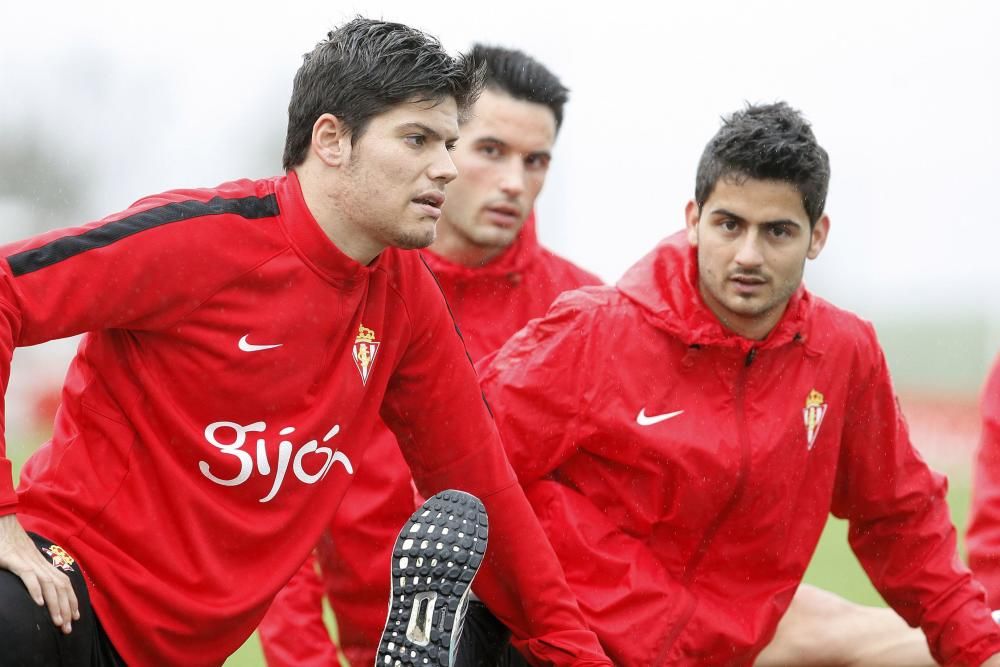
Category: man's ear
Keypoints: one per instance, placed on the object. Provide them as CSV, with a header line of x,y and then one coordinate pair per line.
x,y
691,217
331,140
820,232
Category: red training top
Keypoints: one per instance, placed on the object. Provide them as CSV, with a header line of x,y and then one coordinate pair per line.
x,y
233,374
684,473
489,303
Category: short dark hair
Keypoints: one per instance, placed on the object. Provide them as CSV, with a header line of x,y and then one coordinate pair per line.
x,y
364,68
767,142
522,77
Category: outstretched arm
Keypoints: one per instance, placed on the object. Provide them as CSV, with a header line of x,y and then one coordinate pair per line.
x,y
446,433
821,629
900,527
130,270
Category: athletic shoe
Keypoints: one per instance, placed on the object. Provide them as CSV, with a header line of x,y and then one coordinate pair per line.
x,y
437,554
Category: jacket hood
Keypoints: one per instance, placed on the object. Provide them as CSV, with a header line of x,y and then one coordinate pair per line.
x,y
514,260
664,284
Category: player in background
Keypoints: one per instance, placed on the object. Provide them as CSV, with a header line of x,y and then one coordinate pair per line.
x,y
243,343
983,535
683,435
496,276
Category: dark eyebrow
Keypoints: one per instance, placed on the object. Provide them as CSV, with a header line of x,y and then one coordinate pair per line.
x,y
430,132
729,214
500,142
490,140
775,223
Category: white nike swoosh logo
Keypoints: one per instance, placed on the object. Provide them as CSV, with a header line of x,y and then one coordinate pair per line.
x,y
249,347
642,420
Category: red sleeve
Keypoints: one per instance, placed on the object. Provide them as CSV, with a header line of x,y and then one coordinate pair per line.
x,y
435,407
536,386
540,388
900,527
292,633
628,598
983,537
141,269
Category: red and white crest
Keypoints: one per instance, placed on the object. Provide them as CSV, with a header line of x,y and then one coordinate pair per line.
x,y
813,415
365,349
60,558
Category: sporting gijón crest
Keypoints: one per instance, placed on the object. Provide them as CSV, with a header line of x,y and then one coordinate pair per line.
x,y
365,349
60,558
813,415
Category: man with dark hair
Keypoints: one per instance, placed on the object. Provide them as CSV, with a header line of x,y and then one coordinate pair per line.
x,y
496,277
683,435
242,343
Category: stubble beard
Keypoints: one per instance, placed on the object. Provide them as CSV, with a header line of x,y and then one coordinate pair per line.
x,y
750,308
415,239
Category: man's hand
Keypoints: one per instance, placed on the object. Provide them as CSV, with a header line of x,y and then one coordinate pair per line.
x,y
45,583
993,661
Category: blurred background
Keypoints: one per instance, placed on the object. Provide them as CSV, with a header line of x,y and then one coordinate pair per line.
x,y
104,102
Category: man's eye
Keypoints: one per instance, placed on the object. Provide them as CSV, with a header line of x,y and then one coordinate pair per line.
x,y
730,225
537,161
780,231
415,139
489,150
450,146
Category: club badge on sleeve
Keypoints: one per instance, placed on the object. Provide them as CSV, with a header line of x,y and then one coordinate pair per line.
x,y
813,415
365,349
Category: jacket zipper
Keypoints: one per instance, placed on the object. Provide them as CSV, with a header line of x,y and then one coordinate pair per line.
x,y
739,395
675,631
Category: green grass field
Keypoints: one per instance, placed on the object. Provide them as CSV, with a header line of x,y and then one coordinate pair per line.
x,y
833,567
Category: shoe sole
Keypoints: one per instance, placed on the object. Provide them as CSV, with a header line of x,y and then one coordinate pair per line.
x,y
436,557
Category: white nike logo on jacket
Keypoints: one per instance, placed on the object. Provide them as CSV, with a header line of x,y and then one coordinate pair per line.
x,y
249,347
642,420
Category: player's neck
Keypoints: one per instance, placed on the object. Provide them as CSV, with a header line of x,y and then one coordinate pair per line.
x,y
334,218
459,251
752,327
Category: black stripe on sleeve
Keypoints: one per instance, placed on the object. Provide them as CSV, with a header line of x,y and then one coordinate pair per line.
x,y
457,329
66,247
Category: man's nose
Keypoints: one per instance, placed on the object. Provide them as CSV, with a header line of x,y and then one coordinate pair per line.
x,y
443,168
512,181
749,254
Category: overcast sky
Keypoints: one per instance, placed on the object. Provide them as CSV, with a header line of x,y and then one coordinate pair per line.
x,y
904,95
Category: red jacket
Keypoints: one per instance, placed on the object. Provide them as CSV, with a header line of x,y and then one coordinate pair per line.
x,y
489,304
684,474
983,536
233,374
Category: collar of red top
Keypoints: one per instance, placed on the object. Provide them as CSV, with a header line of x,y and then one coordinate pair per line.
x,y
309,239
665,284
